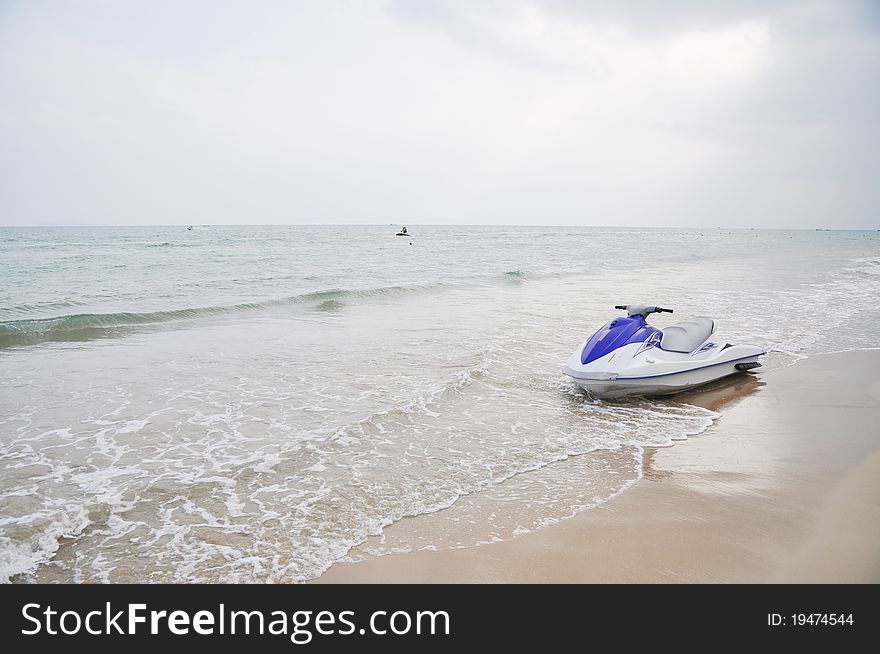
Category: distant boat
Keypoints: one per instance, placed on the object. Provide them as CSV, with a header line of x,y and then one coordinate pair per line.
x,y
189,228
402,232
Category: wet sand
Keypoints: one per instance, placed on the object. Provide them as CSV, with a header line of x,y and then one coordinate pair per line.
x,y
785,487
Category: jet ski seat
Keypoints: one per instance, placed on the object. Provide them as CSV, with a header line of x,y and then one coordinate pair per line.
x,y
687,336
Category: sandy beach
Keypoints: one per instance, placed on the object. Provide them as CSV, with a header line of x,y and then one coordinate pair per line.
x,y
785,487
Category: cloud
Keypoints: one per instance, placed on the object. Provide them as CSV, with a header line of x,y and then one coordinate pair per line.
x,y
529,112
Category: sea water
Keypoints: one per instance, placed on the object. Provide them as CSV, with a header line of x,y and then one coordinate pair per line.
x,y
255,403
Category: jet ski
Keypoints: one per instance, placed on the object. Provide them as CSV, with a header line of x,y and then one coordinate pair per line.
x,y
402,232
627,356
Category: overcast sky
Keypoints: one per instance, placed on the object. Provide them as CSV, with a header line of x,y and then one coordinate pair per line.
x,y
747,113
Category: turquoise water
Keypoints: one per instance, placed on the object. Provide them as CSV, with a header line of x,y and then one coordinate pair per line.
x,y
250,403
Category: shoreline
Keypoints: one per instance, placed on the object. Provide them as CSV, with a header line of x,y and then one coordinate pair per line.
x,y
784,487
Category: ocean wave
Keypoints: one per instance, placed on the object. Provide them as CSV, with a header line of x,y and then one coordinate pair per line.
x,y
288,493
22,557
30,331
40,306
66,327
425,404
516,507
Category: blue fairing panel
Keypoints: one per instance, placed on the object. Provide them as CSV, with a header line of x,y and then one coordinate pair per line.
x,y
615,334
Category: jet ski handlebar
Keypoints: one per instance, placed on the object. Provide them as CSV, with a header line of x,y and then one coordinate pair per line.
x,y
635,309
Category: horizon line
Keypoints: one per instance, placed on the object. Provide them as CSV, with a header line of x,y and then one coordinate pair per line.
x,y
543,225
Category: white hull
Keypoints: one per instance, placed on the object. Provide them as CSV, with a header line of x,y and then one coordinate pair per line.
x,y
666,384
634,370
